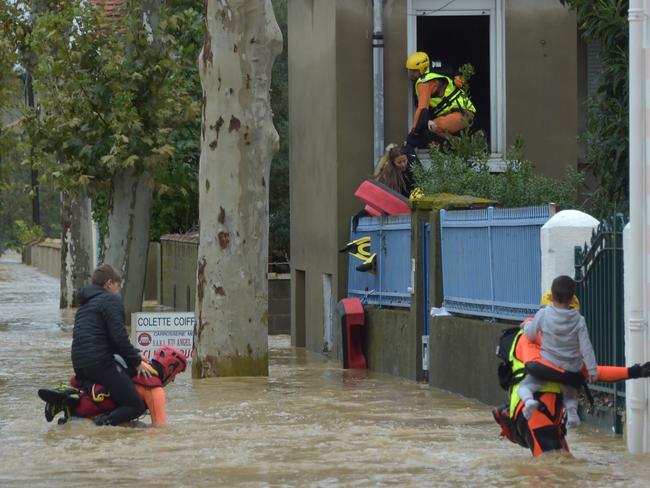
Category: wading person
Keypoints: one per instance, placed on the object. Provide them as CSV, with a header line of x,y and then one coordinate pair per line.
x,y
93,401
99,332
565,345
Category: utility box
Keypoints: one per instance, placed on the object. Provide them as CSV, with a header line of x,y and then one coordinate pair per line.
x,y
352,321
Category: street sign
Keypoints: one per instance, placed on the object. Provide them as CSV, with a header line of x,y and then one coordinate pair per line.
x,y
150,330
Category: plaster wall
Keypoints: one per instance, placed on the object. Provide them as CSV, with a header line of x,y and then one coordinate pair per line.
x,y
462,357
542,82
391,342
313,157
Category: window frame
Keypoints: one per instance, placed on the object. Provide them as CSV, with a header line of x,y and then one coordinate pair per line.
x,y
495,9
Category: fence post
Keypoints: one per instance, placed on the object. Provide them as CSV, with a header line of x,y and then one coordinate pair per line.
x,y
490,216
380,257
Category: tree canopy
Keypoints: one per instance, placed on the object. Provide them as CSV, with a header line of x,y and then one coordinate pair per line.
x,y
108,100
605,23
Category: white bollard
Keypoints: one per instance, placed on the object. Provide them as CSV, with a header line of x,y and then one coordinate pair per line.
x,y
558,238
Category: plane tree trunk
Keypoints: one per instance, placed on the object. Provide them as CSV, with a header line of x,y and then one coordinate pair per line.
x,y
126,243
238,140
127,237
77,248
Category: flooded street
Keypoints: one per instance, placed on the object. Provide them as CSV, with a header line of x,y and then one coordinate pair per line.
x,y
308,424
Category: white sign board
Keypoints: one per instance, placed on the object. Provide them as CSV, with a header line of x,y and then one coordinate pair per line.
x,y
150,330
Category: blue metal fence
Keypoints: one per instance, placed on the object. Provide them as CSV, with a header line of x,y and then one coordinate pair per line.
x,y
491,261
390,284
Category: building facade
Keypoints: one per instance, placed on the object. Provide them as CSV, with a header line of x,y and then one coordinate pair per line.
x,y
528,83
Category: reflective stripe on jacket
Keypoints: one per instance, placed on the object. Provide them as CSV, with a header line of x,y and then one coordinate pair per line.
x,y
452,99
519,371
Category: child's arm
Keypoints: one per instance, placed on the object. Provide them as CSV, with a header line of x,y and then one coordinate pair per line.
x,y
587,350
531,328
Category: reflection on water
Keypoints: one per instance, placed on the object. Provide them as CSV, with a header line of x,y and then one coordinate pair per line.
x,y
308,424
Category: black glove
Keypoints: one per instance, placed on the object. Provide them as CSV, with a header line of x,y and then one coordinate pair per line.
x,y
639,371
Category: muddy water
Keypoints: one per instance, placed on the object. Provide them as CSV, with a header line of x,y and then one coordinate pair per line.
x,y
308,424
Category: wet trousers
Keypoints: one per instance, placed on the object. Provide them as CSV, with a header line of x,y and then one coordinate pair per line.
x,y
129,403
449,124
530,384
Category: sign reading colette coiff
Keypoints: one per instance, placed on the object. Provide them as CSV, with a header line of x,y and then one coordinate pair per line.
x,y
150,330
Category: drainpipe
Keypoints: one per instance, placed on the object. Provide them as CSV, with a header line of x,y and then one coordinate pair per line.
x,y
637,401
378,77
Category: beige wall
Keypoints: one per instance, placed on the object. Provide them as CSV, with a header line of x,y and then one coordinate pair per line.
x,y
354,122
541,82
396,81
46,256
178,272
313,153
330,67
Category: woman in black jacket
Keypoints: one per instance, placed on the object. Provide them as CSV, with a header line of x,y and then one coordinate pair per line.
x,y
99,332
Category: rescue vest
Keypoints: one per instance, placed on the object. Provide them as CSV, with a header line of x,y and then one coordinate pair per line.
x,y
453,98
518,372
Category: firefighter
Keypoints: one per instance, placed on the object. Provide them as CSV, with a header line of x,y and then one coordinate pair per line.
x,y
443,109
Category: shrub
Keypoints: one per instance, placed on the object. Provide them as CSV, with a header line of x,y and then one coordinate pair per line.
x,y
25,233
462,169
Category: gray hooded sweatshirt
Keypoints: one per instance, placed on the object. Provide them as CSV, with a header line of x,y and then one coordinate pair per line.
x,y
565,338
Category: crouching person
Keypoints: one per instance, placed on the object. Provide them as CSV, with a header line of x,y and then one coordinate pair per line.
x,y
99,333
95,401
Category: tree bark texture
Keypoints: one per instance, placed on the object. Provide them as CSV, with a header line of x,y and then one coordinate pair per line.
x,y
127,240
76,246
238,140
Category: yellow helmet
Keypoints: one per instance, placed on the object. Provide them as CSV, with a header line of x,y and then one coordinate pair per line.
x,y
547,299
418,61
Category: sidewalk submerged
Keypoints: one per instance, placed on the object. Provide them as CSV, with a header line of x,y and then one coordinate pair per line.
x,y
308,424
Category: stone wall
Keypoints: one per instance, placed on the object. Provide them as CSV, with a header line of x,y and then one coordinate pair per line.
x,y
391,342
179,254
462,357
45,255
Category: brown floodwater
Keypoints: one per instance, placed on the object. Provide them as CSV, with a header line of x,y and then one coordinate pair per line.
x,y
309,423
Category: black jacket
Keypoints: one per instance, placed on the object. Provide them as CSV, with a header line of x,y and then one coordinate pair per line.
x,y
99,330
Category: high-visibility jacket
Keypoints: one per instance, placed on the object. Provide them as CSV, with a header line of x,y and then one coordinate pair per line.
x,y
452,99
518,373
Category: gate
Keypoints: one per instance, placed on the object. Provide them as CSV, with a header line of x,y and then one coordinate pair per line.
x,y
599,280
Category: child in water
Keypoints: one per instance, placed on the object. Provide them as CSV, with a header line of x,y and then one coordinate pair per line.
x,y
565,344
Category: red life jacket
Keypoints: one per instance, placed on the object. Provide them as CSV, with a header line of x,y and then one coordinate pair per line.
x,y
97,401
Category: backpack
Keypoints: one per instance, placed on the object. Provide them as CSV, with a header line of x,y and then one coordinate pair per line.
x,y
504,370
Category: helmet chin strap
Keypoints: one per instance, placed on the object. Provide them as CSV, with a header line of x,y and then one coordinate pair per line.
x,y
159,369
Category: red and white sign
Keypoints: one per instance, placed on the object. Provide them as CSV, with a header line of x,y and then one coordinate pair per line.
x,y
150,330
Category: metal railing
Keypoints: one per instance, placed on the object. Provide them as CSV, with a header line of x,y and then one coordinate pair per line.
x,y
599,280
491,261
391,282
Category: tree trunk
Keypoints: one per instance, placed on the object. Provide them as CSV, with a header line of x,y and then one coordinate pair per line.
x,y
127,240
242,39
76,246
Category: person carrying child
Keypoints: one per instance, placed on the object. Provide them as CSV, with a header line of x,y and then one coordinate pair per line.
x,y
565,344
95,401
99,333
